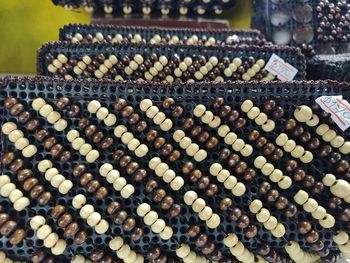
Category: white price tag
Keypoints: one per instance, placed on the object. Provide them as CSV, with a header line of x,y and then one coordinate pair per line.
x,y
338,108
278,67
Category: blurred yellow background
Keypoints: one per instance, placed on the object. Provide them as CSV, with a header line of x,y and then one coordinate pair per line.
x,y
27,24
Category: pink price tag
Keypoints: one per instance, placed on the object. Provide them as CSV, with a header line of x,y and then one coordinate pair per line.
x,y
338,108
278,67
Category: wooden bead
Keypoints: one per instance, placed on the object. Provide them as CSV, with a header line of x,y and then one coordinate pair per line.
x,y
301,197
279,231
213,222
183,251
303,113
271,223
158,226
167,233
340,188
319,213
255,206
116,243
198,205
59,247
150,218
341,238
177,183
43,231
263,215
36,222
231,240
310,205
327,222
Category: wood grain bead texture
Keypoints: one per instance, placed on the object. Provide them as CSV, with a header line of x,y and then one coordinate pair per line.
x,y
246,181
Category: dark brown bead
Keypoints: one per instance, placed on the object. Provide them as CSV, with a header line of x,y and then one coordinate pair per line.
x,y
233,116
217,103
97,138
44,198
65,156
8,158
159,142
24,117
277,155
312,237
56,150
335,157
188,123
304,227
83,122
201,240
342,166
241,167
117,155
38,256
49,142
80,237
278,113
211,190
261,142
120,104
203,182
290,124
318,188
16,109
309,181
141,126
235,214
57,211
314,144
62,103
243,221
298,131
168,102
305,137
8,227
166,149
41,135
177,112
140,174
120,217
71,230
4,218
334,202
240,123
64,220
272,195
251,231
268,149
92,186
159,195
263,249
174,156
233,159
78,170
97,254
203,137
291,165
151,185
317,246
127,111
151,135
264,188
325,150
16,165
195,175
253,136
187,168
90,130
299,175
137,234
224,111
154,253
10,102
134,118
106,143
212,142
129,224
74,110
291,211
86,178
249,174
36,191
113,207
225,204
124,161
281,203
166,203
208,248
196,130
17,236
193,231
269,105
175,210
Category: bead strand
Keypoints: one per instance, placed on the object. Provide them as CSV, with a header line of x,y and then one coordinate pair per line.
x,y
57,63
199,206
106,66
17,137
56,179
269,222
9,228
9,190
238,249
79,144
184,252
87,212
342,240
298,255
44,232
157,67
192,149
123,251
338,187
157,116
151,218
318,212
119,183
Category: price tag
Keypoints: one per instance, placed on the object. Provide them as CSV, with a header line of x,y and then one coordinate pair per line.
x,y
278,67
338,108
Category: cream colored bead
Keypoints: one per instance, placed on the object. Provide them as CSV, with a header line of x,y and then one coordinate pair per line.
x,y
178,135
213,222
261,119
158,226
8,127
51,240
168,176
322,129
86,211
298,151
29,151
150,218
198,205
167,233
207,117
215,122
72,135
116,243
15,195
159,118
112,176
7,189
289,146
231,240
21,143
59,248
230,182
127,137
36,222
120,130
51,173
269,126
279,231
77,143
190,197
92,156
154,162
281,139
65,187
263,215
21,203
102,227
166,125
38,103
345,149
192,149
310,205
223,175
191,257
329,179
238,145
85,149
253,113
199,110
303,113
110,120
238,249
206,213
119,183
152,111
329,135
319,213
223,130
345,248
141,150
341,238
131,258
341,188
183,251
255,206
15,135
78,259
337,141
4,179
185,142
93,219
307,157
247,105
78,201
271,223
127,191
45,110
327,222
133,144
314,121
215,169
161,169
200,155
177,183
56,180
94,106
285,182
239,189
267,169
276,176
301,197
145,104
143,209
43,231
105,169
53,117
259,162
230,138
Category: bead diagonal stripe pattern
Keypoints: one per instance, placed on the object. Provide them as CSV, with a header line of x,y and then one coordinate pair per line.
x,y
209,184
